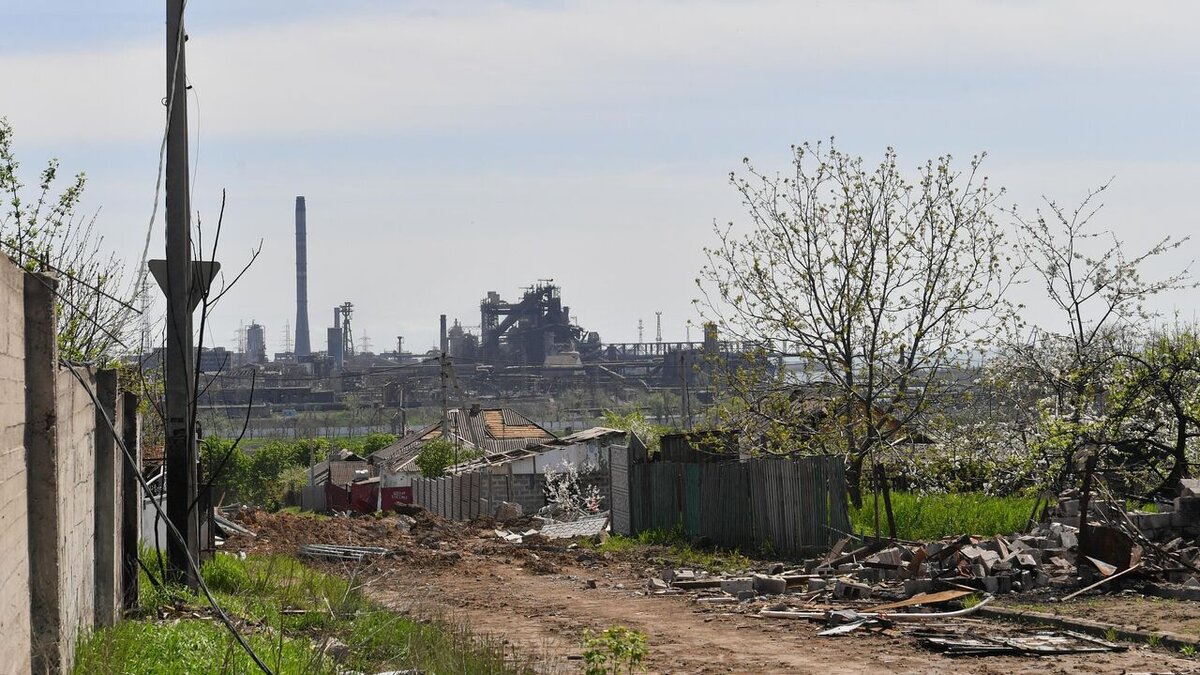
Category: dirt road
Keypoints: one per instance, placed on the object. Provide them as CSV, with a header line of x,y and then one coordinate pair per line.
x,y
544,614
538,598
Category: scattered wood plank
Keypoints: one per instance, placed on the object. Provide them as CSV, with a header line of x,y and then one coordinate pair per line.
x,y
1103,581
924,599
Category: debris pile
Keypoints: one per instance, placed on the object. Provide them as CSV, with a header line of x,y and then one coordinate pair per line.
x,y
592,526
967,642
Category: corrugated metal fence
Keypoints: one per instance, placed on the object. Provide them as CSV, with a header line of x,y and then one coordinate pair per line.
x,y
790,507
461,497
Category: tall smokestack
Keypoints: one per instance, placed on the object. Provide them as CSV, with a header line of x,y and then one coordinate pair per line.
x,y
444,341
303,348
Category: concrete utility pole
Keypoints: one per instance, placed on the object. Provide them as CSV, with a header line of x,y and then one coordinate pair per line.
x,y
181,440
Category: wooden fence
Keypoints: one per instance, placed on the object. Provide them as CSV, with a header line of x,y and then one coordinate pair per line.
x,y
788,507
462,497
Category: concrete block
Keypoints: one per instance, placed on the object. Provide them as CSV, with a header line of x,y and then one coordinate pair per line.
x,y
1005,584
1153,521
971,553
1189,506
1048,554
735,586
506,511
869,575
1026,561
673,575
991,585
1069,538
656,584
815,585
743,596
844,590
891,557
765,584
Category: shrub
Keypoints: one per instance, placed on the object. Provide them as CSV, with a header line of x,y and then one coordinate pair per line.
x,y
616,650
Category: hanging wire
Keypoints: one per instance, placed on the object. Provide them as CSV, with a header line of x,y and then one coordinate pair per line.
x,y
129,457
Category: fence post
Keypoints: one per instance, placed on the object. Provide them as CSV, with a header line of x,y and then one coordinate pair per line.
x,y
131,499
42,460
105,512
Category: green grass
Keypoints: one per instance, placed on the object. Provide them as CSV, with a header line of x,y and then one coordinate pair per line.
x,y
924,517
297,511
672,547
288,612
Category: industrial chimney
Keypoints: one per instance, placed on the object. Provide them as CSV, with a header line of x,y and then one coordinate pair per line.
x,y
303,348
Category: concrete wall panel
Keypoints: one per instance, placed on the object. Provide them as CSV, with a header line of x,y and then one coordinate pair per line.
x,y
77,499
14,523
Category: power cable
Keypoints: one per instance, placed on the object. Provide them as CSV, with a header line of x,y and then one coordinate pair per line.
x,y
72,277
171,526
162,158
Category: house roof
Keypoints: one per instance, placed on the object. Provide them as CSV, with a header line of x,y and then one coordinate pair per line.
x,y
492,430
533,449
340,472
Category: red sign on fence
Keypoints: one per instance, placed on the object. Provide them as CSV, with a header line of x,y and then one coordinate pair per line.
x,y
390,496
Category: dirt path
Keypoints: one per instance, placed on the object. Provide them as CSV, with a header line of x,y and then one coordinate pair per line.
x,y
538,599
544,615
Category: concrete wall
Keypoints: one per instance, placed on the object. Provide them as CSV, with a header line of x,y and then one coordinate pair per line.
x,y
51,507
14,523
76,501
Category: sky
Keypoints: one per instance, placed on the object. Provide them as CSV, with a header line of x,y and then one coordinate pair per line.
x,y
446,149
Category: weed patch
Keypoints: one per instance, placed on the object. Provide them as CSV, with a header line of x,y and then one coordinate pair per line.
x,y
922,517
291,614
672,547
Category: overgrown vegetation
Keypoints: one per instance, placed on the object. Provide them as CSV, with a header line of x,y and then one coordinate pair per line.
x,y
614,650
297,619
671,547
439,454
879,279
889,292
264,474
635,422
922,517
42,232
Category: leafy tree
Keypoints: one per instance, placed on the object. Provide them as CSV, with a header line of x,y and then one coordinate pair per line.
x,y
1066,374
377,441
878,283
226,467
439,454
1153,408
43,233
309,451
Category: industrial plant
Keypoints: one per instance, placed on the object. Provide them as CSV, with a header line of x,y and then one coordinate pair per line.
x,y
524,348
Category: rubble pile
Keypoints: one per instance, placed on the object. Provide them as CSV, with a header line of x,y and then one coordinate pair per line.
x,y
1156,549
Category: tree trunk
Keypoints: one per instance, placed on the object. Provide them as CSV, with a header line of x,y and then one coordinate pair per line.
x,y
854,480
1170,485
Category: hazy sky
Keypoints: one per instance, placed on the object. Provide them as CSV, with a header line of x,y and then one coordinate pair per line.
x,y
455,147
